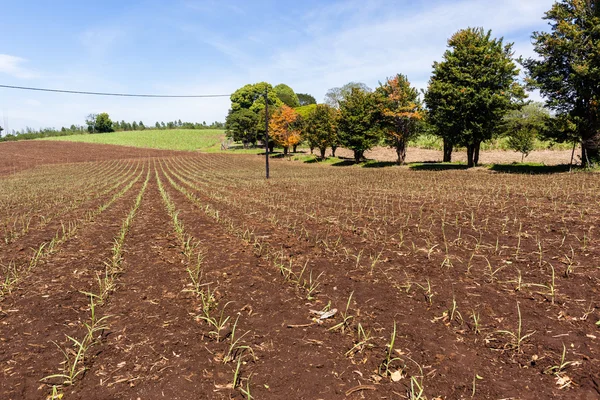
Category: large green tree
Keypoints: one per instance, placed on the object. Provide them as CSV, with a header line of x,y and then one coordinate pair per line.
x,y
567,72
287,95
320,128
335,95
103,123
358,128
471,90
252,97
242,126
400,113
523,126
306,99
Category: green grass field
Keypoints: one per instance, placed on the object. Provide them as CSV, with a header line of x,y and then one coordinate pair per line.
x,y
208,140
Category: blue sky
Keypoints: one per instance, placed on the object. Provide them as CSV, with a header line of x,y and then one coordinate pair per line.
x,y
215,47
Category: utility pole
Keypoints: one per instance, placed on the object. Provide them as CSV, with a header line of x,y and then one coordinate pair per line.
x,y
267,130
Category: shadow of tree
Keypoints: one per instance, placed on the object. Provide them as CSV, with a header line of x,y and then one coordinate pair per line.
x,y
436,166
529,168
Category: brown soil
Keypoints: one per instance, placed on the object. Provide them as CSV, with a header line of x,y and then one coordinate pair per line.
x,y
21,155
444,256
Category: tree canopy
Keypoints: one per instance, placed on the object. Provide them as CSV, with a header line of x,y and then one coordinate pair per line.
x,y
523,126
472,89
400,112
241,126
252,97
335,95
306,99
567,72
287,95
357,125
320,127
284,129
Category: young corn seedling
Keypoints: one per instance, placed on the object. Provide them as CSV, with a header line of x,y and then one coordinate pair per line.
x,y
246,391
74,359
11,279
551,287
476,321
558,369
235,349
386,365
517,337
363,339
346,317
475,379
217,324
374,261
195,273
311,285
428,292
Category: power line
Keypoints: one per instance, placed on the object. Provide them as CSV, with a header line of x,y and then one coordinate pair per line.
x,y
113,94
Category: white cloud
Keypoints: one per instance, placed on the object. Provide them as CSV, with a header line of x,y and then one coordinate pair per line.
x,y
374,46
12,65
100,41
334,43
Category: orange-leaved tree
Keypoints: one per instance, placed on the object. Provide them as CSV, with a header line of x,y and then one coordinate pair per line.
x,y
284,128
401,113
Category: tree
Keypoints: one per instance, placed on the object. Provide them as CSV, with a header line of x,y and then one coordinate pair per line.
x,y
472,89
306,99
400,111
134,126
141,126
523,126
1,129
103,123
284,129
287,95
252,97
242,126
334,96
320,128
90,121
567,72
357,125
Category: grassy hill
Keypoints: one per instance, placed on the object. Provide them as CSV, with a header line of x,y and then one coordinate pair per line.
x,y
173,139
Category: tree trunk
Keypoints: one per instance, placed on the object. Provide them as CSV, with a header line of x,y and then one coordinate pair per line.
x,y
285,150
295,147
470,154
271,147
322,150
311,149
590,148
401,151
476,153
333,148
476,148
358,155
448,146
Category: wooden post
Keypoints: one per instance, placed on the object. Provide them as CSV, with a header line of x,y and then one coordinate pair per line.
x,y
267,131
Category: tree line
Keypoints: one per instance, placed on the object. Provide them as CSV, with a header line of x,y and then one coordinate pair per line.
x,y
474,94
101,123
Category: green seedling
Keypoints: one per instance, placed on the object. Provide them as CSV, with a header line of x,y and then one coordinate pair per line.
x,y
234,345
384,367
517,337
218,324
557,369
346,317
363,339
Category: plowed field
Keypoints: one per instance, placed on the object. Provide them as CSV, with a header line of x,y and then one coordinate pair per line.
x,y
180,276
